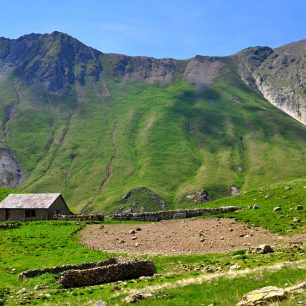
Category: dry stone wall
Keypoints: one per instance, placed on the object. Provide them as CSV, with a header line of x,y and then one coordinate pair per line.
x,y
173,214
80,217
59,269
122,270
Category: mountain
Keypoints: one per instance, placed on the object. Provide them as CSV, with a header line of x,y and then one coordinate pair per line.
x,y
115,132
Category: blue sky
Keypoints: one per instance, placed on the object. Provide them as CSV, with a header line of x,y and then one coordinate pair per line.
x,y
160,28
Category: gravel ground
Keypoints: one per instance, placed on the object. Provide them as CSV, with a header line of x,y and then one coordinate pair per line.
x,y
181,237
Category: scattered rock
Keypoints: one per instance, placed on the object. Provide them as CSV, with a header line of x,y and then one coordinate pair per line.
x,y
132,232
100,303
133,237
296,220
101,226
256,206
231,229
47,295
235,267
299,207
265,248
136,244
138,229
234,190
138,296
37,287
116,288
221,238
277,208
287,188
22,291
267,196
190,196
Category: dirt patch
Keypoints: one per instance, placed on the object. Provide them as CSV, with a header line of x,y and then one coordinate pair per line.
x,y
180,237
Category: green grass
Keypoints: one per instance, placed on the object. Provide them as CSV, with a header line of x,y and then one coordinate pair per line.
x,y
287,196
224,291
49,243
172,138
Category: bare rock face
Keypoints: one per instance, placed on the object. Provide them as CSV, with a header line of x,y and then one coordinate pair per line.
x,y
145,69
10,173
278,74
202,70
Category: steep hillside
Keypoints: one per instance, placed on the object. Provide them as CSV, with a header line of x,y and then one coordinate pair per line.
x,y
94,126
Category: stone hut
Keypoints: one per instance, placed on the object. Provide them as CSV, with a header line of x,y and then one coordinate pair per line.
x,y
40,206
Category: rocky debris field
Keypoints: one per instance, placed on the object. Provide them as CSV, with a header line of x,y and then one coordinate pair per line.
x,y
181,237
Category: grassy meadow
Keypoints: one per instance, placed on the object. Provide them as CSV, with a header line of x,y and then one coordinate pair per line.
x,y
41,244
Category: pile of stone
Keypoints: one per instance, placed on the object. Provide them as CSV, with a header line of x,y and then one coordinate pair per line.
x,y
173,214
80,217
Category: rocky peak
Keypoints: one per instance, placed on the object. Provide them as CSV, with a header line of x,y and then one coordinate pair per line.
x,y
55,61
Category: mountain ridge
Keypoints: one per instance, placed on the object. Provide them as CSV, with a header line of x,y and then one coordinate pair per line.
x,y
95,125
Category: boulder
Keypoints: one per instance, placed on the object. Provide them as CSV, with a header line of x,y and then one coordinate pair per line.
x,y
263,295
100,303
234,190
277,208
269,294
133,298
265,248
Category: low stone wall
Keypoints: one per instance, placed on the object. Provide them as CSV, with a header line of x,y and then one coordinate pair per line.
x,y
59,269
80,217
173,214
123,270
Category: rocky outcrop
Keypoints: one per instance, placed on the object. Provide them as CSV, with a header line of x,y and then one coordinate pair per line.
x,y
141,68
270,294
278,74
10,172
139,200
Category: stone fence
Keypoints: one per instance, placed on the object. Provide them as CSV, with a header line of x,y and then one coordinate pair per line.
x,y
121,270
58,269
173,214
80,217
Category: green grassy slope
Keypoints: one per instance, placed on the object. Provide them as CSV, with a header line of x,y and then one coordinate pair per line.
x,y
108,137
45,244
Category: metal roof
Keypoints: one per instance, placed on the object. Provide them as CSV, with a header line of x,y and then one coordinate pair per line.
x,y
30,201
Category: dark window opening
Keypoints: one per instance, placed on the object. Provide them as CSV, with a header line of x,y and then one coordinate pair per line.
x,y
58,212
29,213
